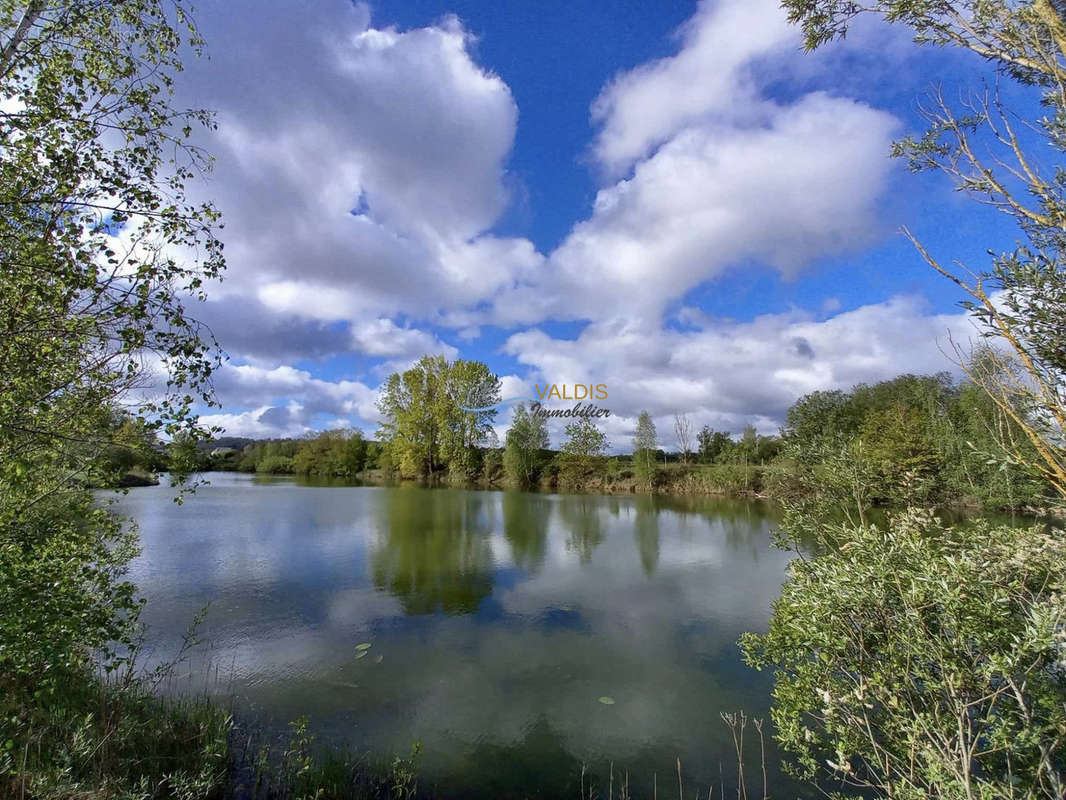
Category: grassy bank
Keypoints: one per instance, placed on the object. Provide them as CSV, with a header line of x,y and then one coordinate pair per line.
x,y
101,740
780,481
678,479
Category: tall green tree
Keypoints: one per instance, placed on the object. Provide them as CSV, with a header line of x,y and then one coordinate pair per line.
x,y
470,385
409,404
425,426
711,444
583,451
898,441
644,446
97,238
818,417
526,441
584,439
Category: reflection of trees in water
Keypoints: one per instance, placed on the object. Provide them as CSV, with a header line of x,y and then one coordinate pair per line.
x,y
646,533
539,765
525,525
435,554
580,515
745,524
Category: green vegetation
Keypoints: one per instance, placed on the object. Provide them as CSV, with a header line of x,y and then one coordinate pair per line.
x,y
124,452
583,454
114,740
82,315
524,452
644,446
333,453
912,659
337,453
921,661
426,432
910,439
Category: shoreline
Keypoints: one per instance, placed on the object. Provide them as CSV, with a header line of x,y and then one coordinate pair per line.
x,y
626,487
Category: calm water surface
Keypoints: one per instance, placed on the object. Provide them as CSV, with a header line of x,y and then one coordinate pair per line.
x,y
497,622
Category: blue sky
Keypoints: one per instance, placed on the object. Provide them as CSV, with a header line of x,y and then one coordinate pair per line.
x,y
671,198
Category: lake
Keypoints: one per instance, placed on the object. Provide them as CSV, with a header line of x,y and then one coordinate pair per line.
x,y
515,635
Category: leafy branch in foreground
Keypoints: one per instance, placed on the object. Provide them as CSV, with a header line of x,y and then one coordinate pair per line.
x,y
1001,158
915,660
100,250
100,246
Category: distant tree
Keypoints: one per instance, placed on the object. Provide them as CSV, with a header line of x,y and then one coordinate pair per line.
x,y
747,447
492,465
711,444
335,453
683,432
526,439
130,447
644,446
462,433
373,455
584,439
275,465
409,404
819,417
582,451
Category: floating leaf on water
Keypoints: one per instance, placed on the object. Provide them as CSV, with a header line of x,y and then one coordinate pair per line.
x,y
364,646
607,701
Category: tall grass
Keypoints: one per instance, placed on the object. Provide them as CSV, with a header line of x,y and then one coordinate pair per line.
x,y
98,739
117,741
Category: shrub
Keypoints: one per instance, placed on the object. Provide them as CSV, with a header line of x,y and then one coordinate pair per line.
x,y
923,661
93,739
275,465
718,479
492,466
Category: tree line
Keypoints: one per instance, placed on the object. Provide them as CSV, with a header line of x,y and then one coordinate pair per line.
x,y
912,438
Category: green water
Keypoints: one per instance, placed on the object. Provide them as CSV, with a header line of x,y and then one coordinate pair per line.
x,y
497,622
